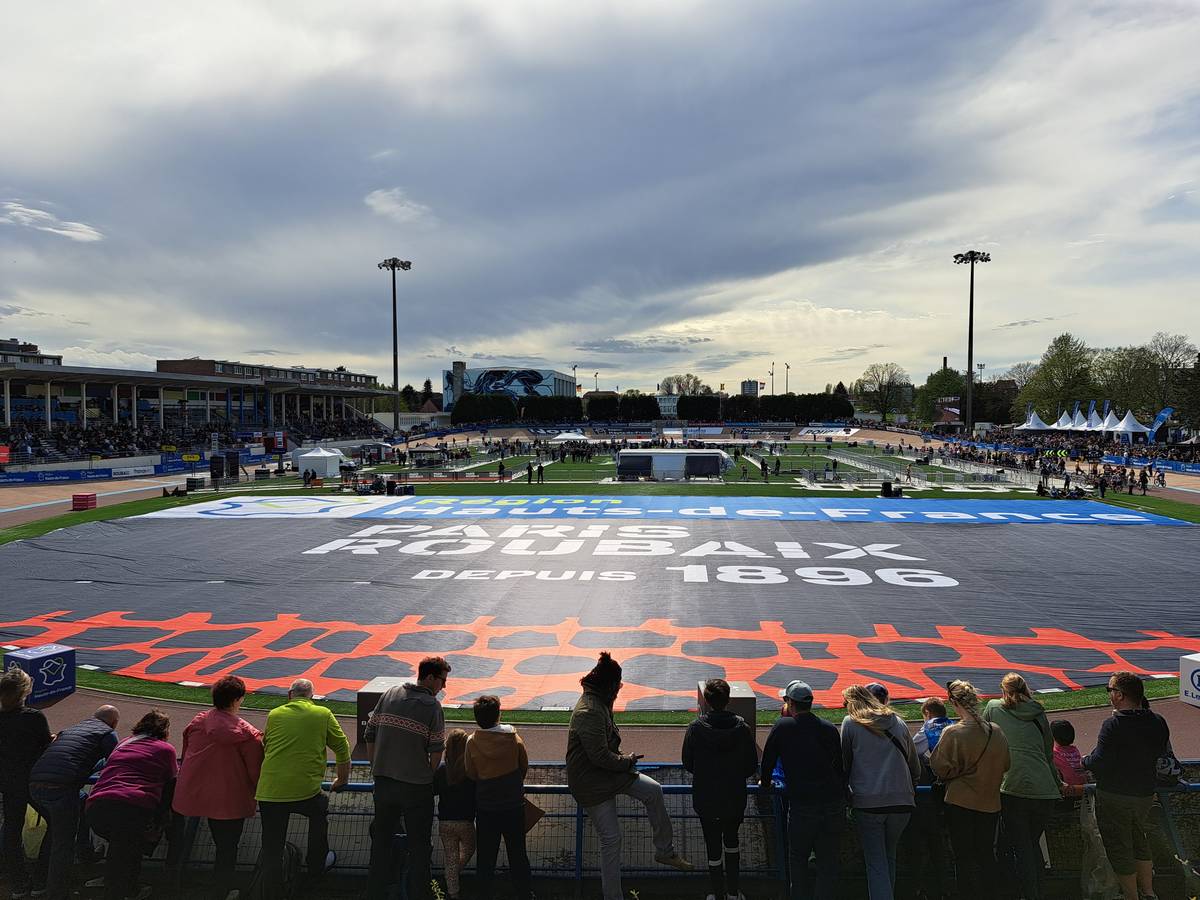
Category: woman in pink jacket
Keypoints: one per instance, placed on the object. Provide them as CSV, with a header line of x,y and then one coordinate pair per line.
x,y
222,756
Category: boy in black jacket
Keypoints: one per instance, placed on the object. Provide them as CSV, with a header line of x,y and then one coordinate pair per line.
x,y
719,751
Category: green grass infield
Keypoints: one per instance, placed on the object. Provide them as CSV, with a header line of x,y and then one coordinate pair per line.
x,y
155,690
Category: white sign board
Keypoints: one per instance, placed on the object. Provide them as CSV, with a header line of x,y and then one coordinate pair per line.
x,y
1189,679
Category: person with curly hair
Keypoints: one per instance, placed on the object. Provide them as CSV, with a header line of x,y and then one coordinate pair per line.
x,y
24,734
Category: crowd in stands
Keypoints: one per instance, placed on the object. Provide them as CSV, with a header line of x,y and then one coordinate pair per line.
x,y
995,776
34,443
1092,446
347,429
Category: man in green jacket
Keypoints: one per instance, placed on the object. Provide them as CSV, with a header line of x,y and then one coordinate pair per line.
x,y
292,772
597,772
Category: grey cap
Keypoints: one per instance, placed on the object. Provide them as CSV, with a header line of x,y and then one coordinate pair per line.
x,y
879,692
797,691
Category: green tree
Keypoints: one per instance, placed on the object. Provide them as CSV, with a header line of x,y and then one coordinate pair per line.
x,y
1064,374
426,391
840,390
1171,354
942,383
684,385
408,395
1128,376
1189,396
884,387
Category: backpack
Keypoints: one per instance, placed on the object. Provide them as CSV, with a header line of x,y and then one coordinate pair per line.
x,y
289,876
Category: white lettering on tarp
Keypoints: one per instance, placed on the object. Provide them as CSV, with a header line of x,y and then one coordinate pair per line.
x,y
650,531
392,529
731,548
826,576
433,574
845,513
522,547
465,546
950,516
915,577
1003,516
633,548
791,550
852,552
760,513
833,576
703,511
557,531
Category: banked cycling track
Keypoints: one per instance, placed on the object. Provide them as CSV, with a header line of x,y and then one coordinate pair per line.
x,y
519,593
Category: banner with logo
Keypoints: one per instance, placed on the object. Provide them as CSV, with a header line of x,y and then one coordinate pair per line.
x,y
1158,421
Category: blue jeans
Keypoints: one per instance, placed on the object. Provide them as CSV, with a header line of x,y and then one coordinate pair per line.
x,y
815,828
879,834
58,804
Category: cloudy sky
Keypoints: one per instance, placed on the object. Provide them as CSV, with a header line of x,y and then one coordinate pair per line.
x,y
636,188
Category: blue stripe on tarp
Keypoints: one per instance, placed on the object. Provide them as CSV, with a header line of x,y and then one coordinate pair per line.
x,y
813,509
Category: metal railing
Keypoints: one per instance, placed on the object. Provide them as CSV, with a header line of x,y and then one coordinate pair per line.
x,y
563,845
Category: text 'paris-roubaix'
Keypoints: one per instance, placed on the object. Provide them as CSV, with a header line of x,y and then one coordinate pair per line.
x,y
598,540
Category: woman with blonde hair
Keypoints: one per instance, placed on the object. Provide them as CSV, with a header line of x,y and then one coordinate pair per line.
x,y
971,758
24,734
456,809
882,768
1031,785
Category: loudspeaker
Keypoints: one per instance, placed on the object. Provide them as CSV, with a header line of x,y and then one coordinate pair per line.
x,y
887,490
216,465
233,464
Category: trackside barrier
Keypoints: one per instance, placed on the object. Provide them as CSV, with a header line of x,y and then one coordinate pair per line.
x,y
564,846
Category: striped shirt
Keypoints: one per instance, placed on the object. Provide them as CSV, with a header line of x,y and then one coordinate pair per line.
x,y
406,726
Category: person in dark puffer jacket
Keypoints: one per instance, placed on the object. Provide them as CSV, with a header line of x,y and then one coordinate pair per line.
x,y
719,751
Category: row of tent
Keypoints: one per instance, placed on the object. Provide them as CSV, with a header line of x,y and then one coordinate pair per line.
x,y
1110,424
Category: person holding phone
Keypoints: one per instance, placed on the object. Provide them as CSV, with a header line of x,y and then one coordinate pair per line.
x,y
597,772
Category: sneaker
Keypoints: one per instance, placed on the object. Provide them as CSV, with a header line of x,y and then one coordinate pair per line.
x,y
675,861
18,893
711,897
330,860
234,895
94,882
38,892
144,893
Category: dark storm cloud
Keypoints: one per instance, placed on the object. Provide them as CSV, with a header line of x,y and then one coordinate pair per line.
x,y
605,192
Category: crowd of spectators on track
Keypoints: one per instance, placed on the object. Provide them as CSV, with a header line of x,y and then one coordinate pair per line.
x,y
995,776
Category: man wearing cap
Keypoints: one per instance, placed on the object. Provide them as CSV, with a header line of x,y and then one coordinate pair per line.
x,y
810,751
597,772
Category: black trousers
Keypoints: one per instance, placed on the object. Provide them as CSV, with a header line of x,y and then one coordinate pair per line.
x,y
275,818
16,800
125,827
722,841
226,833
401,808
1024,821
973,838
490,827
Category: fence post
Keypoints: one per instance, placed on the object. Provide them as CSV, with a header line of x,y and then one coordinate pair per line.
x,y
578,843
781,843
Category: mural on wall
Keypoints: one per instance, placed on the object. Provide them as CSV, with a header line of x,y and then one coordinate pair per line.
x,y
514,382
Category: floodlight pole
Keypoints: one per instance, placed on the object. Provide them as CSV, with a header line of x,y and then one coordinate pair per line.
x,y
972,257
772,378
404,265
787,368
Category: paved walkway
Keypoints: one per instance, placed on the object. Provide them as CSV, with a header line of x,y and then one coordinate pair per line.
x,y
548,743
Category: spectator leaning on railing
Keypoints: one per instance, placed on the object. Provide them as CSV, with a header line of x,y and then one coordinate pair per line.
x,y
497,761
24,735
882,767
405,737
814,778
131,802
719,751
456,810
1031,783
293,769
54,785
970,758
222,758
597,772
1128,748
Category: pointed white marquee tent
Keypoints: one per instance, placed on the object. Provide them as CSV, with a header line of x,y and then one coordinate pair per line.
x,y
1064,423
1129,426
1034,424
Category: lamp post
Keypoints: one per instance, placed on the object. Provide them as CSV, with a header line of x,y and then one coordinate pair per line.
x,y
597,377
972,257
787,368
772,374
404,265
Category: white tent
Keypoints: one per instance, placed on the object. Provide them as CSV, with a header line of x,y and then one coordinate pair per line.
x,y
324,462
1079,423
1110,421
1064,423
564,436
1130,426
1094,423
1035,423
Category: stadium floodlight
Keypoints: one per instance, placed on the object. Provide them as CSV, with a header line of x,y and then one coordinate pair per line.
x,y
787,368
971,257
403,265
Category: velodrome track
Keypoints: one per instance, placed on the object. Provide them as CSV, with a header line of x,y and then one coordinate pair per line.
x,y
521,592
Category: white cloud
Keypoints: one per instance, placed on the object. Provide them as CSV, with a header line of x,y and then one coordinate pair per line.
x,y
13,212
392,203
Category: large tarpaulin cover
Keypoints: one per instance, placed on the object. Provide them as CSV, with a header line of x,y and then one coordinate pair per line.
x,y
521,606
